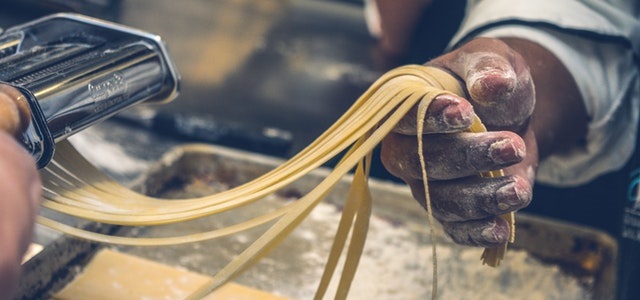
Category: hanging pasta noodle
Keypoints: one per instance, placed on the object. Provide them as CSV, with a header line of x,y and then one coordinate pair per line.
x,y
74,187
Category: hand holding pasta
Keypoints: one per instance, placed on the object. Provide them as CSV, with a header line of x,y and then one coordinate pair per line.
x,y
500,91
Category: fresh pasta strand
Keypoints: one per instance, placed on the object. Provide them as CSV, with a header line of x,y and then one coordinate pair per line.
x,y
73,186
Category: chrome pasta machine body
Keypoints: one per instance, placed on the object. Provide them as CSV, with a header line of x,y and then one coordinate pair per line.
x,y
75,71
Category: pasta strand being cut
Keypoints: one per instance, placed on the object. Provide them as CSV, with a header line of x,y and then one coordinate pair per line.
x,y
73,186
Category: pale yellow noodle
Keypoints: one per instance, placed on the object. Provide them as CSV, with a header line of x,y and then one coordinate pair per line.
x,y
74,187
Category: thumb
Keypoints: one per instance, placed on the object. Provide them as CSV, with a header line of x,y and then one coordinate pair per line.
x,y
497,79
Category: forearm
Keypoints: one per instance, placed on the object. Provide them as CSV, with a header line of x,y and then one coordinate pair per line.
x,y
559,120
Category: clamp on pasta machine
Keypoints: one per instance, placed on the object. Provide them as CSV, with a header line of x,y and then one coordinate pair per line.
x,y
74,71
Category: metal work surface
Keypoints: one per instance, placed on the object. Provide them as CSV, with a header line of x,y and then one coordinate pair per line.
x,y
551,260
397,256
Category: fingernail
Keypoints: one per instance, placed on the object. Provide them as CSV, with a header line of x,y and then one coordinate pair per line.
x,y
505,151
493,234
492,84
490,78
458,116
512,195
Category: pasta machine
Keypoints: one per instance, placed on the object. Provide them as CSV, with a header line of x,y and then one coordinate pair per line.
x,y
75,71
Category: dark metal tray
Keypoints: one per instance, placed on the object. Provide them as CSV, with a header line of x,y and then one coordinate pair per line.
x,y
550,259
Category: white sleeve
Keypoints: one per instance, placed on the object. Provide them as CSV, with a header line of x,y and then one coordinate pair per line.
x,y
598,44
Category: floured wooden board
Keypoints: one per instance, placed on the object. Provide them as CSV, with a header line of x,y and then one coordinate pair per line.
x,y
114,275
550,260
